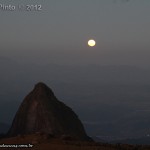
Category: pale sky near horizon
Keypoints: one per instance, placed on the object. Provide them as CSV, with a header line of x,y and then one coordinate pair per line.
x,y
63,27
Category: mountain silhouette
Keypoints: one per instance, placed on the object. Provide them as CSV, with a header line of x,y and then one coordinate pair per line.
x,y
41,111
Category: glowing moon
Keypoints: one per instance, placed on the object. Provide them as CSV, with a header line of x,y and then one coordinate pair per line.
x,y
91,43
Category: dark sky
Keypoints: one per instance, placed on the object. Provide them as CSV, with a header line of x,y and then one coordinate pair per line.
x,y
59,33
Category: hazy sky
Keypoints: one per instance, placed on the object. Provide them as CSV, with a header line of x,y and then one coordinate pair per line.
x,y
58,35
59,32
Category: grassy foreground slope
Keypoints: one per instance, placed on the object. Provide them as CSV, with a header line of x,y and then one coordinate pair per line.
x,y
41,141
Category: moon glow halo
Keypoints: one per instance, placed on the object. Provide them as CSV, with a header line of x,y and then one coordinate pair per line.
x,y
91,43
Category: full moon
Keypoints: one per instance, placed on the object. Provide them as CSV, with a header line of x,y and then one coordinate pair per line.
x,y
91,43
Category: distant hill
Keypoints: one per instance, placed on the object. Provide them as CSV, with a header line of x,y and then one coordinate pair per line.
x,y
4,127
136,141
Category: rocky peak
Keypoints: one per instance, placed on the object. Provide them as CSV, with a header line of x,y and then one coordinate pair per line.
x,y
42,89
41,111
